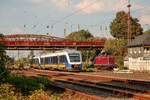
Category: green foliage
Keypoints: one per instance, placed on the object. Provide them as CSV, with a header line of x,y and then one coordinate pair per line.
x,y
87,55
27,84
10,62
3,57
147,32
82,35
119,26
14,90
3,60
55,97
9,92
39,95
120,62
117,48
22,63
30,57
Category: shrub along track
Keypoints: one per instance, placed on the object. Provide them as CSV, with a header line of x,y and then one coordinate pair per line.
x,y
95,87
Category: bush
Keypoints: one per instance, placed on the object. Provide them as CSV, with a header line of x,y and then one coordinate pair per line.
x,y
120,62
39,95
9,92
27,84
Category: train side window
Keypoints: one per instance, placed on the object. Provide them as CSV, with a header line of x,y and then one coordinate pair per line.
x,y
42,60
49,60
54,60
62,59
46,60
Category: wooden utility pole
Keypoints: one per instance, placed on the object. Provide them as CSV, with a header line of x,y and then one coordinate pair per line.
x,y
129,36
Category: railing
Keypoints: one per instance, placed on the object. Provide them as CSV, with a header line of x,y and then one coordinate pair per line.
x,y
52,43
36,42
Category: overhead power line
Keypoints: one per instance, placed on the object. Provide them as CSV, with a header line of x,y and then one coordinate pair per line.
x,y
140,9
77,11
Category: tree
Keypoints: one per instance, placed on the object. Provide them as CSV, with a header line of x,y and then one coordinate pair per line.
x,y
117,48
3,58
30,57
119,26
82,35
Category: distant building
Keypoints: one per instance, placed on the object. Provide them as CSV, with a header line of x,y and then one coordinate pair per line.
x,y
139,53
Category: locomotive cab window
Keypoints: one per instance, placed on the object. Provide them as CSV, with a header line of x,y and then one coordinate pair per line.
x,y
74,57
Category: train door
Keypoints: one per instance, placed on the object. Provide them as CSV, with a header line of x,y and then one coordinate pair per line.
x,y
63,63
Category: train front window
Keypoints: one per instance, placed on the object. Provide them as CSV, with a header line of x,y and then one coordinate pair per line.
x,y
74,57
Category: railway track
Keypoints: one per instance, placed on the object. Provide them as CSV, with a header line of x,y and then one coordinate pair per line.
x,y
111,90
87,85
74,89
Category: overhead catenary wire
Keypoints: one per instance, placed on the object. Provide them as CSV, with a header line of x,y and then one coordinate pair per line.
x,y
140,9
71,14
77,11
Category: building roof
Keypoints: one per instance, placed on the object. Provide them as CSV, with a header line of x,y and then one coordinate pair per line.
x,y
142,40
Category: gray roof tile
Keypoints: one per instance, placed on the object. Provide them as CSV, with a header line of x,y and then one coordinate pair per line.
x,y
140,40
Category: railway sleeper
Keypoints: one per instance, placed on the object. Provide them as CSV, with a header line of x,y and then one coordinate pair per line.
x,y
124,86
90,97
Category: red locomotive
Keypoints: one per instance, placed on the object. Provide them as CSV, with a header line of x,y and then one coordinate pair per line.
x,y
104,61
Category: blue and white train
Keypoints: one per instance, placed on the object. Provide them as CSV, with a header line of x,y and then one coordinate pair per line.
x,y
67,60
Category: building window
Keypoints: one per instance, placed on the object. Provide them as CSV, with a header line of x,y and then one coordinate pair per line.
x,y
146,58
130,50
135,52
139,51
145,51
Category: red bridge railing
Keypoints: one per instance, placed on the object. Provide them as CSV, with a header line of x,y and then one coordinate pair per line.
x,y
23,42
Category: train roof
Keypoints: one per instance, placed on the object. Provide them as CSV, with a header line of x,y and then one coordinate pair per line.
x,y
62,52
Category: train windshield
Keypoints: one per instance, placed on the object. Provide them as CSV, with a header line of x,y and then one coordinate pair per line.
x,y
74,57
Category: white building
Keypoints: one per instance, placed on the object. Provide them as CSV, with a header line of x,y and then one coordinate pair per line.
x,y
139,54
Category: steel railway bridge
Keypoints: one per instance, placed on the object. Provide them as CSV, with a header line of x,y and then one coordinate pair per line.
x,y
45,42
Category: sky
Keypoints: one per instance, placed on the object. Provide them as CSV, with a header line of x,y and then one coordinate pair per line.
x,y
52,16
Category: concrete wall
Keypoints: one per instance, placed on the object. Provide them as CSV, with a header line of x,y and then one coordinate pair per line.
x,y
138,59
139,64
